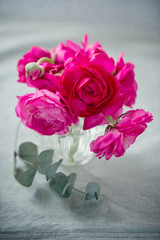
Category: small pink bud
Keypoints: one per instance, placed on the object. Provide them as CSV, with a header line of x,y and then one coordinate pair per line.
x,y
34,71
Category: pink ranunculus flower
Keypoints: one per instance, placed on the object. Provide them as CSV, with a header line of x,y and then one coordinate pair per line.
x,y
49,80
45,112
64,52
89,86
120,136
125,74
32,55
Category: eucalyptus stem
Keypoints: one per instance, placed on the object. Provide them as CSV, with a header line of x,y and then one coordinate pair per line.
x,y
23,160
78,190
15,148
62,184
17,134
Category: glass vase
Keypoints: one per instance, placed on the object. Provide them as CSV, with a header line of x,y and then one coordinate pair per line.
x,y
74,147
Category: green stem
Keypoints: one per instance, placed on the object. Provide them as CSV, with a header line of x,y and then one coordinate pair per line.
x,y
60,146
73,148
15,163
15,148
109,118
78,190
45,59
123,114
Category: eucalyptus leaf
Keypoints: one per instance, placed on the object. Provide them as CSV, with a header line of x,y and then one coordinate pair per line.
x,y
28,151
62,184
92,191
64,191
18,174
89,197
58,183
81,201
71,180
44,161
27,177
51,171
70,183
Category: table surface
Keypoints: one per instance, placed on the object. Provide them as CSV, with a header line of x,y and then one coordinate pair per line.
x,y
130,185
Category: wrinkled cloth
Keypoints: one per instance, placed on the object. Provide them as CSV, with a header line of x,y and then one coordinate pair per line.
x,y
130,207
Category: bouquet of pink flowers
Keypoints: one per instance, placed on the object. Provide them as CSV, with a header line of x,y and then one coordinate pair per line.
x,y
75,82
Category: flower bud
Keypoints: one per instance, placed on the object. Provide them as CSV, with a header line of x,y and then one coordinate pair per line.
x,y
34,71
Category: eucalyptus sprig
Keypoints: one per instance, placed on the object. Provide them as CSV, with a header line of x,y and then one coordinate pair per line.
x,y
58,181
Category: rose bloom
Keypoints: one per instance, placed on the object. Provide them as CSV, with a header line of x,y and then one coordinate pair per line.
x,y
32,55
118,138
64,52
49,80
45,112
125,74
89,86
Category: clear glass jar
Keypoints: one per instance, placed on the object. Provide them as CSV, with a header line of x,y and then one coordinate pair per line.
x,y
74,147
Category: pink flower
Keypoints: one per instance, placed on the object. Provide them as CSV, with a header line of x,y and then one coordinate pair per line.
x,y
89,86
64,52
125,74
32,55
49,80
119,137
45,112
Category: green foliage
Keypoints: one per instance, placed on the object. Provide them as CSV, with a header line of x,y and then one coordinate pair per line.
x,y
59,182
45,159
81,201
71,181
27,177
51,171
92,192
28,151
62,184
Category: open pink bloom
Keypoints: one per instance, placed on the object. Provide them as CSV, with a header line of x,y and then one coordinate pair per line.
x,y
45,112
125,74
116,140
64,52
32,55
49,80
99,119
89,86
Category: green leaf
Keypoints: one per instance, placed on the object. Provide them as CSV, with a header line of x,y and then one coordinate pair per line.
x,y
28,151
18,174
89,197
44,161
92,191
58,183
62,184
81,201
71,180
27,177
51,171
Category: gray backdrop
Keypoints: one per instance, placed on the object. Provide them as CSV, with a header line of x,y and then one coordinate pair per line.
x,y
130,185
